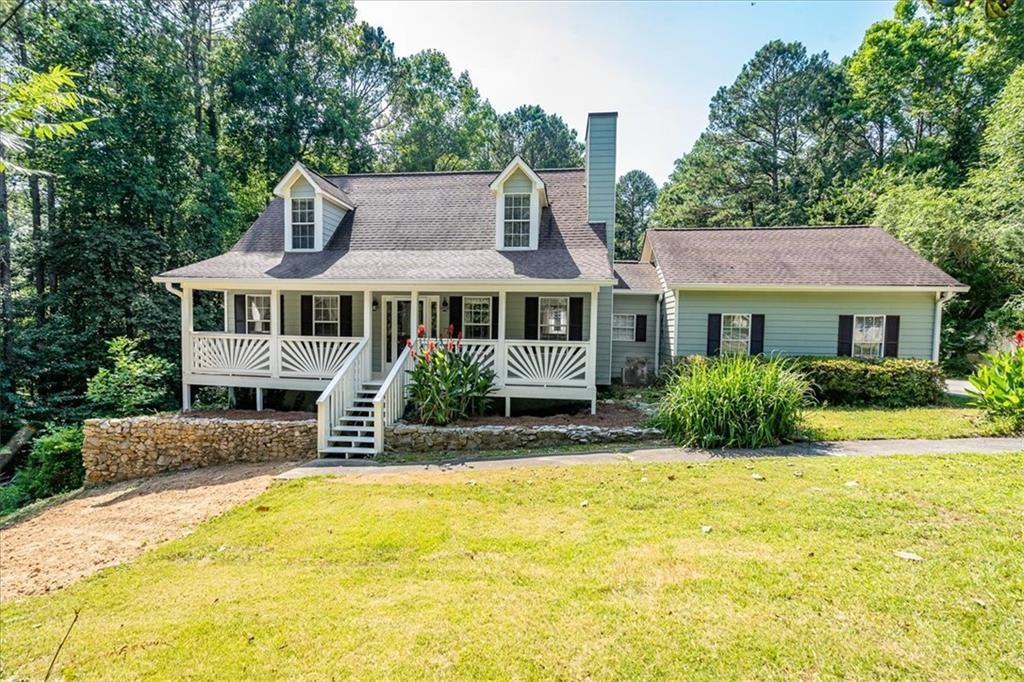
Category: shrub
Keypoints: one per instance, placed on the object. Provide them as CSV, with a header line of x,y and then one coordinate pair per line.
x,y
733,401
998,385
134,384
892,382
446,384
54,465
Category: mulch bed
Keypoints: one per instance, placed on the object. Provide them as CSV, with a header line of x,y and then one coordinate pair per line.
x,y
607,416
267,415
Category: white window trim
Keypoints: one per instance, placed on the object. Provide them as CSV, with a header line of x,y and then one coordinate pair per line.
x,y
632,331
499,226
248,310
853,337
337,308
289,221
721,330
540,317
490,319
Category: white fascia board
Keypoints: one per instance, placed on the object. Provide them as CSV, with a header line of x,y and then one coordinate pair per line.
x,y
811,287
282,187
454,285
518,163
637,292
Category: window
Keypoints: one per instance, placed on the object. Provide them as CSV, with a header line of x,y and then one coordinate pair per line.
x,y
624,328
326,318
517,221
476,317
554,318
303,225
868,336
257,314
735,334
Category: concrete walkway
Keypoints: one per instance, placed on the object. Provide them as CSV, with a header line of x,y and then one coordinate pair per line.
x,y
855,448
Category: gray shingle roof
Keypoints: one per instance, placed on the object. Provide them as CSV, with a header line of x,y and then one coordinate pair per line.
x,y
822,256
632,276
422,226
328,187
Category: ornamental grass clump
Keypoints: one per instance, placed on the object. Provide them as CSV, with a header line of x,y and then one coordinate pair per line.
x,y
447,384
733,401
998,385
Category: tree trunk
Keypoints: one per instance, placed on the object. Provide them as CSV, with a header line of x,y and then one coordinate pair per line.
x,y
51,227
39,274
6,312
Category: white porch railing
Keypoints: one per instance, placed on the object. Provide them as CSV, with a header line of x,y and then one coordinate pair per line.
x,y
339,395
221,353
302,357
547,363
389,403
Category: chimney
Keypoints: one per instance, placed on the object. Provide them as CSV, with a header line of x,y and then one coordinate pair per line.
x,y
599,161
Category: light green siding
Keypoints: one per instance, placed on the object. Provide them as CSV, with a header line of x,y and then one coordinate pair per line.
x,y
600,173
515,314
635,304
332,217
604,336
302,189
805,323
293,310
518,183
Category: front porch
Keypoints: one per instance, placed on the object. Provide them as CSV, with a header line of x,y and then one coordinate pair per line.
x,y
351,346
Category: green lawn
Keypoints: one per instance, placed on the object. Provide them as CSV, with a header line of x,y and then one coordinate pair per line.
x,y
572,572
862,423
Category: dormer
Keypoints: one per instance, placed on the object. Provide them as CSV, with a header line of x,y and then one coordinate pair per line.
x,y
520,196
313,209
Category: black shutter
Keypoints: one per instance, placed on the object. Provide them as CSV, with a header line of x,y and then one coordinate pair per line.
x,y
532,315
306,311
756,334
280,315
494,317
714,334
845,347
455,314
640,331
576,318
892,336
345,316
239,313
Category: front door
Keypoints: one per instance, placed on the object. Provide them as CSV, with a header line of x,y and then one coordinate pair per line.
x,y
396,323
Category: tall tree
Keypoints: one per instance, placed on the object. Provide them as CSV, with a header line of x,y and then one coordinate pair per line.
x,y
543,140
635,196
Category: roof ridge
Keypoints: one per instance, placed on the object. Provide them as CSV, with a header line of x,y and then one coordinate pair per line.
x,y
451,172
763,228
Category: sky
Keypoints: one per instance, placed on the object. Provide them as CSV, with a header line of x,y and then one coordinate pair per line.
x,y
656,63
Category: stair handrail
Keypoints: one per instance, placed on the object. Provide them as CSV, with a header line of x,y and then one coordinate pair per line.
x,y
340,393
389,403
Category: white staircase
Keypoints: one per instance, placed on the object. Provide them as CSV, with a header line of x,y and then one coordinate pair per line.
x,y
351,434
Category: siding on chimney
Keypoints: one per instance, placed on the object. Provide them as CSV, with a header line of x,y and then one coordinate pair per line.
x,y
600,179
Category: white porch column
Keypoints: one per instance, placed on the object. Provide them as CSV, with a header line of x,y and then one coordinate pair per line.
x,y
414,321
500,363
367,313
275,335
227,311
592,351
186,347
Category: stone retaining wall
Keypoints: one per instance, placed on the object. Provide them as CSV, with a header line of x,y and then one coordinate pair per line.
x,y
118,449
418,438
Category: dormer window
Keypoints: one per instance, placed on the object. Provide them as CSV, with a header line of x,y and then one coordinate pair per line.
x,y
303,224
520,196
517,221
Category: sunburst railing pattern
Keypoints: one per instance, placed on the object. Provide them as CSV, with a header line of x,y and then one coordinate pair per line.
x,y
302,356
217,353
546,363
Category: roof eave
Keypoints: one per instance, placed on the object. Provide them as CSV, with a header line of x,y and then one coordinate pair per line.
x,y
710,286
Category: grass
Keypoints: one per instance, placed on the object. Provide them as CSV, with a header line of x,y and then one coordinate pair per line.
x,y
571,572
862,423
514,453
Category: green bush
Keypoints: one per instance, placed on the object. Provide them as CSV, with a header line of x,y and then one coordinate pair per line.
x,y
54,465
446,384
892,382
998,386
733,401
134,384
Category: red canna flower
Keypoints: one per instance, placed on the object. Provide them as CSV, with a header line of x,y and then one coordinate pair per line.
x,y
431,346
421,331
1018,338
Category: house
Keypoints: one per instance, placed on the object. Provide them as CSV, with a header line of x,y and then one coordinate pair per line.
x,y
326,287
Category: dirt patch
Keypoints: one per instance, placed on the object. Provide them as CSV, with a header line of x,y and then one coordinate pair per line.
x,y
272,415
607,416
109,525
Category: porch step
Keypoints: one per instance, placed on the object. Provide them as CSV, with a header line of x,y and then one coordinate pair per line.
x,y
347,451
356,418
350,439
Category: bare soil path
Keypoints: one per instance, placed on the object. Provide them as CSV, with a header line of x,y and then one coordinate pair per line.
x,y
108,525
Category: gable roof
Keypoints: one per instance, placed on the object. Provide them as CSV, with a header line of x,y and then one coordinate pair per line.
x,y
422,226
318,181
855,256
634,276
